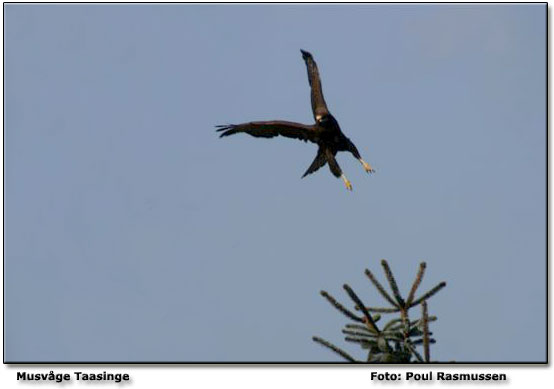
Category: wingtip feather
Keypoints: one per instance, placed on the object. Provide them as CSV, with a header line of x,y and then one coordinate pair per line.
x,y
226,129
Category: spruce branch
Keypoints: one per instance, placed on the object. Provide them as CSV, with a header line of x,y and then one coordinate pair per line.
x,y
358,333
368,342
358,327
340,307
430,293
393,284
334,348
426,351
417,281
392,325
383,310
415,353
420,341
380,288
368,319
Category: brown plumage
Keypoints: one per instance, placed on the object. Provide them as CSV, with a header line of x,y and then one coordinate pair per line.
x,y
326,132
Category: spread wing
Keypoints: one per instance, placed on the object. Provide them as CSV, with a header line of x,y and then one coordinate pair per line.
x,y
270,129
319,107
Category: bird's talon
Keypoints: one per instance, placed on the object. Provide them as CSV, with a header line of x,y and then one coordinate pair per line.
x,y
368,168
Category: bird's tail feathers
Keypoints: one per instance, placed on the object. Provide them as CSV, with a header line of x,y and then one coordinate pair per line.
x,y
319,161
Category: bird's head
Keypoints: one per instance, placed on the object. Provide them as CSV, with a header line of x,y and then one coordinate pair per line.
x,y
327,121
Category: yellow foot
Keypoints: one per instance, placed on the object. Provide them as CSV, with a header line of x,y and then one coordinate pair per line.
x,y
367,167
347,183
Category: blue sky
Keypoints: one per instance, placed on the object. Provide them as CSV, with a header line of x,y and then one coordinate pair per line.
x,y
133,233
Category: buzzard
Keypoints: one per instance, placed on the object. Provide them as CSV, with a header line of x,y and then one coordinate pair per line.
x,y
326,132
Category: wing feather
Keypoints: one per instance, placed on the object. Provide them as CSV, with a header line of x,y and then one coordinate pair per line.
x,y
319,107
270,129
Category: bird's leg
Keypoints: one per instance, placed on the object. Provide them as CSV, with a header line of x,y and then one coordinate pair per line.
x,y
346,182
367,166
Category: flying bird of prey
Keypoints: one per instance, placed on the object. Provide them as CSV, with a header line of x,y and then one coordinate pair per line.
x,y
326,132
